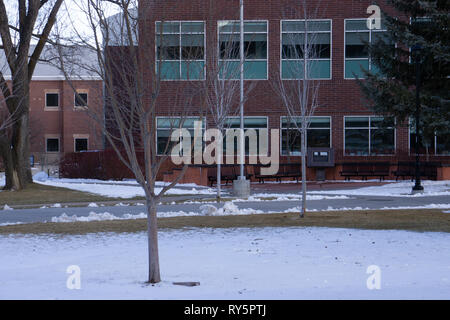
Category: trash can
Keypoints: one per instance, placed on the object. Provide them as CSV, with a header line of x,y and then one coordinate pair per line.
x,y
320,159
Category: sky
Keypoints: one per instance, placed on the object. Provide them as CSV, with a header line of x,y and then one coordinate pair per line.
x,y
72,16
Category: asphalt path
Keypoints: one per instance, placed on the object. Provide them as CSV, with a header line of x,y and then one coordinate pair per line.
x,y
371,202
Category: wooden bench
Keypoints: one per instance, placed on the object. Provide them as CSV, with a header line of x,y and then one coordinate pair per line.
x,y
365,170
407,169
286,170
228,173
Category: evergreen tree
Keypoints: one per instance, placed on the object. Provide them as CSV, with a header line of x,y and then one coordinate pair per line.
x,y
391,92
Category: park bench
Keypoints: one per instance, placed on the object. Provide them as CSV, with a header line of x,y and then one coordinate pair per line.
x,y
408,169
286,170
228,173
365,170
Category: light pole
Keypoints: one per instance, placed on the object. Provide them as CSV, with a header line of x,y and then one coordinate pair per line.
x,y
415,50
241,102
241,186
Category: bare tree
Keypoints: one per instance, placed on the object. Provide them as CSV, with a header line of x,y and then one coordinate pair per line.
x,y
221,90
134,95
32,19
297,88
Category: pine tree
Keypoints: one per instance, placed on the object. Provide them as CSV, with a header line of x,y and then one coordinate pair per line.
x,y
391,92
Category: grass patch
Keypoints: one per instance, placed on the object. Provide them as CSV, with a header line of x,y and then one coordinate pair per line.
x,y
412,220
38,194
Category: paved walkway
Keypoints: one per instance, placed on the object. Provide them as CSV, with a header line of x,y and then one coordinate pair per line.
x,y
371,202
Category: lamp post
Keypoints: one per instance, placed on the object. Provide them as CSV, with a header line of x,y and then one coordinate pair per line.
x,y
415,50
241,102
241,186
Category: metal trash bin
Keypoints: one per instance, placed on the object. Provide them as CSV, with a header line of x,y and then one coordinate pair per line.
x,y
320,158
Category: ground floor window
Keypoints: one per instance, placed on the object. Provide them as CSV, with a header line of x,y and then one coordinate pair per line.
x,y
435,145
52,144
318,134
366,136
81,144
166,125
252,132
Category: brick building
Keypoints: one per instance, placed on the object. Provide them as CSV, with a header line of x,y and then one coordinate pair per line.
x,y
170,28
59,122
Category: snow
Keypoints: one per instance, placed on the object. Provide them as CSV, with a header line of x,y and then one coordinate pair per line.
x,y
116,189
289,197
397,189
229,208
261,263
40,176
7,208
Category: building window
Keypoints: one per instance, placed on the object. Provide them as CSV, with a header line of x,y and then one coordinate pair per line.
x,y
81,144
300,38
255,50
255,123
366,136
81,99
357,35
52,145
436,145
166,125
52,100
318,134
180,47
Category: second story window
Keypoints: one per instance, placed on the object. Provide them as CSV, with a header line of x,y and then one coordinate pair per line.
x,y
302,39
180,50
81,99
357,35
52,100
255,49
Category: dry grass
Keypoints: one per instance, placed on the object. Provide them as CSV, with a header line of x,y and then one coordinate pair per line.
x,y
413,220
37,194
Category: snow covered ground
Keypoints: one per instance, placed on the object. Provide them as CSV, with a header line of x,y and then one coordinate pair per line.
x,y
228,209
396,189
120,189
265,263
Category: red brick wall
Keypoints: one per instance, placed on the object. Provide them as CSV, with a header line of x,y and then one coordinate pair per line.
x,y
65,121
338,97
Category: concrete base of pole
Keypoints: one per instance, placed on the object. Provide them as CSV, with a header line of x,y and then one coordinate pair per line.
x,y
241,188
416,191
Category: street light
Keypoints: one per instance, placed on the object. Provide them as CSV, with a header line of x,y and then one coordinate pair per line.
x,y
241,186
415,50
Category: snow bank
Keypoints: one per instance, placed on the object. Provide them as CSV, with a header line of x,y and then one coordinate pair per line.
x,y
228,209
93,216
206,210
40,176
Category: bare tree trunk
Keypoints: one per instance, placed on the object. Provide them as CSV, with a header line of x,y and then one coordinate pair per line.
x,y
154,275
21,154
219,181
11,175
303,210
